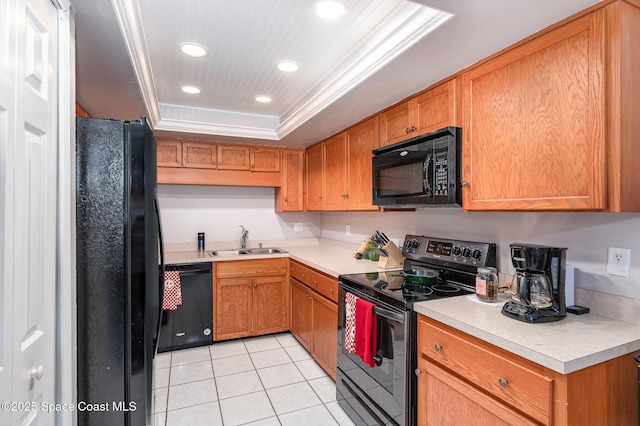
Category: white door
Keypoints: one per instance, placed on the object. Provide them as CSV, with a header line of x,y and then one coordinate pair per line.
x,y
29,135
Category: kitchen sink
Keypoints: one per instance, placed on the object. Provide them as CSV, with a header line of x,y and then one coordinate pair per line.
x,y
271,250
234,252
239,252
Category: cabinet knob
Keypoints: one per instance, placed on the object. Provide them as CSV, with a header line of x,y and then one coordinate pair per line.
x,y
315,282
437,347
37,372
178,161
413,128
503,382
308,297
304,275
407,130
286,198
417,372
330,290
253,166
464,183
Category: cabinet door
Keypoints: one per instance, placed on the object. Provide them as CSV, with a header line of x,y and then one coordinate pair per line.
x,y
361,141
199,155
269,305
301,313
335,173
169,153
314,172
324,343
233,157
435,108
443,399
533,124
265,159
233,308
395,124
290,197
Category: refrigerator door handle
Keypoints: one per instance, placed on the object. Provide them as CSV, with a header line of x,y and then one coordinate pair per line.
x,y
161,275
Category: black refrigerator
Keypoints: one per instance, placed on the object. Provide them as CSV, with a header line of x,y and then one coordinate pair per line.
x,y
119,286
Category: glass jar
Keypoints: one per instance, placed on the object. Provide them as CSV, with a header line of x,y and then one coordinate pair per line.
x,y
487,284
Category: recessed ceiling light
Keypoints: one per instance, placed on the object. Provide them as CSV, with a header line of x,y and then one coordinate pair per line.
x,y
192,90
287,66
193,49
263,99
329,9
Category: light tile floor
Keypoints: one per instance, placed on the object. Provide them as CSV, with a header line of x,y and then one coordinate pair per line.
x,y
267,380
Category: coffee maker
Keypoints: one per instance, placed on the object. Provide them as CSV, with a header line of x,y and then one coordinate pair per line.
x,y
538,287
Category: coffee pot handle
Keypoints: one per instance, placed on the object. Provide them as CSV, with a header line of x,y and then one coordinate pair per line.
x,y
524,289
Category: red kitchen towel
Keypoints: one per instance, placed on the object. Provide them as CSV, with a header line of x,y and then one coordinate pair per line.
x,y
366,331
350,322
172,291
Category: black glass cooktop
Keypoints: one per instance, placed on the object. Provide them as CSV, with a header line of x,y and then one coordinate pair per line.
x,y
434,268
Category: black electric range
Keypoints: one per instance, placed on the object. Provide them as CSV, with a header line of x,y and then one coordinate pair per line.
x,y
434,268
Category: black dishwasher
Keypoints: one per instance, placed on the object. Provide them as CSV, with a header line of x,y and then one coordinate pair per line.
x,y
190,324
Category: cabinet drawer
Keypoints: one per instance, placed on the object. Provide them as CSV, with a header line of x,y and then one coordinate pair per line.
x,y
324,285
508,378
251,268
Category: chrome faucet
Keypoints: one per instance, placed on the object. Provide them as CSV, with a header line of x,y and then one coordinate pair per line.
x,y
243,238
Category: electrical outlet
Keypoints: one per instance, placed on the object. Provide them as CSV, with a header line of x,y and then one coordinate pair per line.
x,y
619,262
297,227
347,231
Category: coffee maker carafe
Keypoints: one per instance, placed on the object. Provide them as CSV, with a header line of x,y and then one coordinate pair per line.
x,y
538,289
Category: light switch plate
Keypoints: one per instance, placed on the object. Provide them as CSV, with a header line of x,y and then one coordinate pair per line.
x,y
297,227
619,262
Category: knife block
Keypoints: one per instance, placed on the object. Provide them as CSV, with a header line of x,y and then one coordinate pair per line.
x,y
394,260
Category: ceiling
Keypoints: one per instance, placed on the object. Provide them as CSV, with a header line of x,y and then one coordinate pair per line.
x,y
129,64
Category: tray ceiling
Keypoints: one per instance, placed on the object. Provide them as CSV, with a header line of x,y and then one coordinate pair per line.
x,y
376,54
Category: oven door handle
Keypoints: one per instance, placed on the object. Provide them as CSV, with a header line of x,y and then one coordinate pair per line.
x,y
388,314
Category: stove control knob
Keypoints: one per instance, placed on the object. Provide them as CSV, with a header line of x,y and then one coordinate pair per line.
x,y
466,252
476,254
415,244
456,251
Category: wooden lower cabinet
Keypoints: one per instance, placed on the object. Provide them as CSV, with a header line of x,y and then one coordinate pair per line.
x,y
250,298
314,322
464,380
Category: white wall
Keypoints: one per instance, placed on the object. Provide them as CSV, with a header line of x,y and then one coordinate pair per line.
x,y
218,211
586,235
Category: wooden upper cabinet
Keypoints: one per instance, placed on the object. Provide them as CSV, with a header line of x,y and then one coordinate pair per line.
x,y
361,141
290,196
533,124
169,153
233,157
198,155
314,177
335,173
431,110
265,159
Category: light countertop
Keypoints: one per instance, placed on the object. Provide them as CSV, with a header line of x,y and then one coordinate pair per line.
x,y
331,257
565,346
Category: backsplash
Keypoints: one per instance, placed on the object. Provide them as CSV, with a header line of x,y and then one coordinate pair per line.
x,y
219,211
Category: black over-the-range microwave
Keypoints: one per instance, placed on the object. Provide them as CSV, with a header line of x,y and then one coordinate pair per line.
x,y
419,172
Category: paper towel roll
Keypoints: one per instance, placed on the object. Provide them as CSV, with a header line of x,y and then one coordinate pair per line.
x,y
569,292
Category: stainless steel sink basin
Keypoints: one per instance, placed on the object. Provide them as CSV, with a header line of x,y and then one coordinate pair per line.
x,y
238,252
270,250
234,252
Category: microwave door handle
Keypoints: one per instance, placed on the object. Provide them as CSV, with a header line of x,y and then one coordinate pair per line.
x,y
428,190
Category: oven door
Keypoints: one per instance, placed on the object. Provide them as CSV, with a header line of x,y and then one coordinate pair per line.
x,y
382,394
